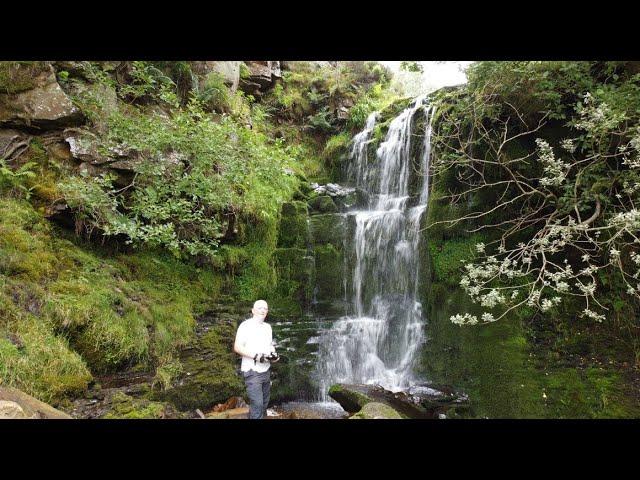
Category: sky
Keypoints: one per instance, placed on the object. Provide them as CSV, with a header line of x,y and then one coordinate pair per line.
x,y
437,74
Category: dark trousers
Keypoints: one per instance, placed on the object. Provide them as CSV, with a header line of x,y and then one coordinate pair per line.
x,y
258,391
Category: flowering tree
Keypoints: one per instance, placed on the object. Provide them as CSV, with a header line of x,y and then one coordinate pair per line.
x,y
566,209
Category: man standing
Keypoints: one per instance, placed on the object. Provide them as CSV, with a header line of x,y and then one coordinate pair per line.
x,y
254,342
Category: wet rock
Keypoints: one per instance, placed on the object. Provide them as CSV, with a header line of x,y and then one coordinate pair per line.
x,y
376,411
323,204
327,228
329,270
419,402
44,105
293,231
32,407
351,397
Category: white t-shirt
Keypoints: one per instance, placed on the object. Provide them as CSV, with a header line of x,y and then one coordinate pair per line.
x,y
254,336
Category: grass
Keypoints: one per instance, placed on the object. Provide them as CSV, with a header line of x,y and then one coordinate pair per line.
x,y
74,310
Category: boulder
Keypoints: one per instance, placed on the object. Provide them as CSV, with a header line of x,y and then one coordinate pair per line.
x,y
83,145
44,106
351,397
30,406
229,70
262,76
323,204
418,402
376,411
11,410
209,374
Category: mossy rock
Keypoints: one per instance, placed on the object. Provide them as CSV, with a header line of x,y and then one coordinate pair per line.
x,y
327,228
294,269
323,204
293,231
349,397
329,271
376,411
209,373
124,406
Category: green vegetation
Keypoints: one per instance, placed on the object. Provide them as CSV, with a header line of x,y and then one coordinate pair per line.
x,y
191,175
71,308
541,158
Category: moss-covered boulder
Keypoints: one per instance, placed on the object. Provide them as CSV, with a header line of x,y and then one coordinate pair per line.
x,y
323,204
208,367
293,231
350,397
376,411
327,228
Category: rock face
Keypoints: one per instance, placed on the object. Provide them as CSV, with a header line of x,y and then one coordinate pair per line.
x,y
17,404
45,106
230,71
262,76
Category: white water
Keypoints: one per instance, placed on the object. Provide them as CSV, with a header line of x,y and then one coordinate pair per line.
x,y
378,342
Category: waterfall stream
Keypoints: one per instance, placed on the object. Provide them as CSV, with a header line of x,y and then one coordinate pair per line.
x,y
376,341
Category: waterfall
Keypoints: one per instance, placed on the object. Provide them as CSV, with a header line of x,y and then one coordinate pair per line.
x,y
377,341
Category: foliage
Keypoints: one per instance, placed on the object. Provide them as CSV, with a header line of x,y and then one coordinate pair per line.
x,y
315,93
14,182
411,67
192,175
547,154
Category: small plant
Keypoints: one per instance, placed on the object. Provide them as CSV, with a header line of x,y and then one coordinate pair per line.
x,y
13,182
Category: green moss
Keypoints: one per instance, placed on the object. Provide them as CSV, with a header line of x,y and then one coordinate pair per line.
x,y
126,407
293,230
329,271
294,272
327,228
449,258
375,410
323,204
209,375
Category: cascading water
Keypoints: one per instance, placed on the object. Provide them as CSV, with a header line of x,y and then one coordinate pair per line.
x,y
377,341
